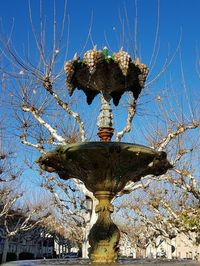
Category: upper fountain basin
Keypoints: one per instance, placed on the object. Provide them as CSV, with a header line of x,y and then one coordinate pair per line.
x,y
105,166
111,75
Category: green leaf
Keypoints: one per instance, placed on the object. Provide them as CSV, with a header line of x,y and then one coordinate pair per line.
x,y
105,53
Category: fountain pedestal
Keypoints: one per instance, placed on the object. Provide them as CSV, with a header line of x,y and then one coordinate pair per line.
x,y
104,235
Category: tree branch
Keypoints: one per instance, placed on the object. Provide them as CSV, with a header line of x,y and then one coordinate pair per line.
x,y
37,146
127,128
48,86
172,135
35,112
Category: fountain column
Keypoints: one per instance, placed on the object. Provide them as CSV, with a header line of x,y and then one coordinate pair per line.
x,y
105,120
104,235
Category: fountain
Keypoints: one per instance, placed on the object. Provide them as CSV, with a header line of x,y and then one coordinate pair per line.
x,y
105,167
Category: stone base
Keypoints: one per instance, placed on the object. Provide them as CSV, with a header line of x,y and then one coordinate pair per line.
x,y
104,252
104,235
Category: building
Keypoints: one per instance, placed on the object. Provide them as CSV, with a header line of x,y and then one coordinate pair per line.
x,y
180,247
31,244
185,248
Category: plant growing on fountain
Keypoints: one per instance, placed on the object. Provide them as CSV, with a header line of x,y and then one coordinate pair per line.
x,y
105,167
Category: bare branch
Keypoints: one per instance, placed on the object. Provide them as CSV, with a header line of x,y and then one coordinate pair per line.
x,y
7,201
172,135
191,186
166,64
30,144
48,86
127,128
152,64
35,112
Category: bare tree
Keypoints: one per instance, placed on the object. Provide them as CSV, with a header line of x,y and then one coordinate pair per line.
x,y
47,117
18,219
9,177
70,209
169,205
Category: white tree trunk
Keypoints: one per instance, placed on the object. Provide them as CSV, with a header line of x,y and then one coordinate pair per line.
x,y
18,249
85,244
5,250
59,250
91,221
169,250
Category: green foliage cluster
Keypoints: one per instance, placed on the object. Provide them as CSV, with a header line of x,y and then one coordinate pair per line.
x,y
108,58
190,220
105,56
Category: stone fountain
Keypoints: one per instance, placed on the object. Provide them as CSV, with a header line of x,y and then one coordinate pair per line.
x,y
105,167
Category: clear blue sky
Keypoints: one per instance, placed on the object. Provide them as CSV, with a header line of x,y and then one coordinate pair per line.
x,y
174,15
107,17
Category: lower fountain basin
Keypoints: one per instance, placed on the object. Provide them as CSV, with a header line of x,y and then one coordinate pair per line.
x,y
105,166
